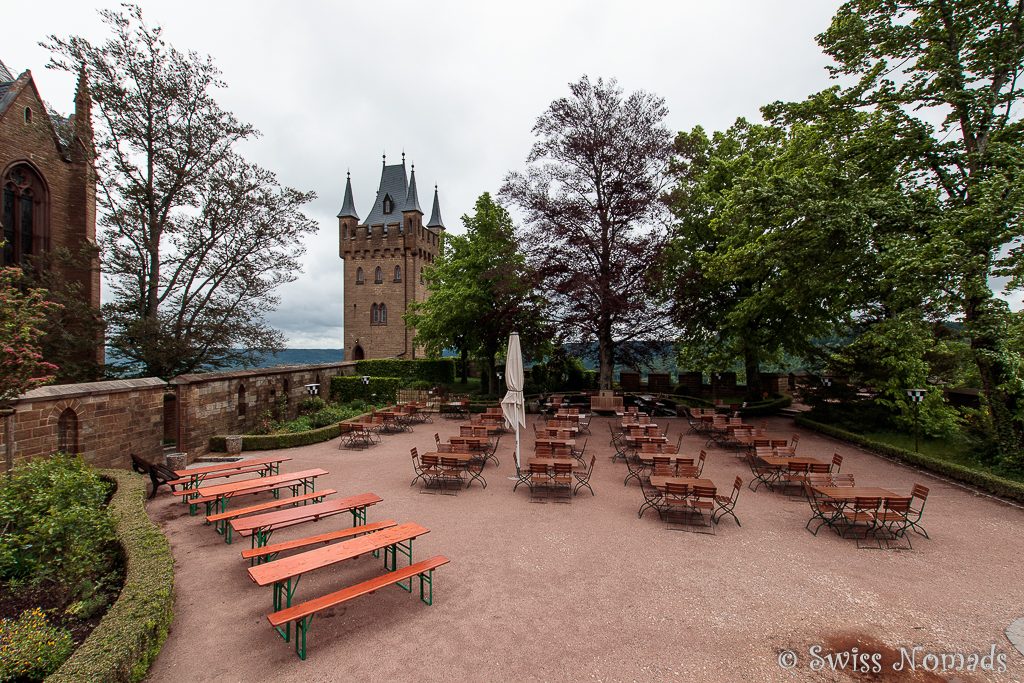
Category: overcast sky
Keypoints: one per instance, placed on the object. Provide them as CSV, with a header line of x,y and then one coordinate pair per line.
x,y
457,85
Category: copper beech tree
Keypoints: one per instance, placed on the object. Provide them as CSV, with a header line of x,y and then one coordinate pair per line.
x,y
22,314
590,194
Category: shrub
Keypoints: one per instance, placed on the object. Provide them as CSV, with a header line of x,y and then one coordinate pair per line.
x,y
31,648
56,527
133,630
433,371
983,480
311,405
380,389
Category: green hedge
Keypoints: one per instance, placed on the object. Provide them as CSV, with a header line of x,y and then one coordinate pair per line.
x,y
345,389
130,635
983,480
270,442
434,371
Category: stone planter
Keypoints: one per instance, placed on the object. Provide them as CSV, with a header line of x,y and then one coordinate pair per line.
x,y
177,461
233,444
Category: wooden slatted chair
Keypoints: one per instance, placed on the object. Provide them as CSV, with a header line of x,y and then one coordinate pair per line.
x,y
726,505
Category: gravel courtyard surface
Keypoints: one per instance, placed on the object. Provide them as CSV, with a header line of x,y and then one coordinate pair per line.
x,y
587,591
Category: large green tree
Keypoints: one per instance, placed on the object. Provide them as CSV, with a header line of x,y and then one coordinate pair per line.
x,y
778,238
195,238
481,290
944,77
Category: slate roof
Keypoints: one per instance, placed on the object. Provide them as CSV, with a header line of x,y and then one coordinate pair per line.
x,y
5,74
435,213
393,184
412,201
348,207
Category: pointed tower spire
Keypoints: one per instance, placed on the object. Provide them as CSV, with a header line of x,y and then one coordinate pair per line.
x,y
348,206
412,199
435,213
82,118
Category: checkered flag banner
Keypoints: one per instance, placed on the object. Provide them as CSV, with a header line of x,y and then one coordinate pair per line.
x,y
916,395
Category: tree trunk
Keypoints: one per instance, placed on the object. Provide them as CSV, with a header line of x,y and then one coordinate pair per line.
x,y
986,332
606,359
752,364
465,366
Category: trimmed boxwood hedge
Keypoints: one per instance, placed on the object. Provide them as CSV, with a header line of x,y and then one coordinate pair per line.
x,y
269,442
983,480
434,371
346,389
131,633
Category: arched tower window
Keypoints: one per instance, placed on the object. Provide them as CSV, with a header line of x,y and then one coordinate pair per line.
x,y
389,205
398,273
383,314
359,276
241,400
374,315
23,215
378,275
67,431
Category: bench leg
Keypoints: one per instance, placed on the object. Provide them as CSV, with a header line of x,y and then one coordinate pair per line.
x,y
260,537
391,561
427,581
301,626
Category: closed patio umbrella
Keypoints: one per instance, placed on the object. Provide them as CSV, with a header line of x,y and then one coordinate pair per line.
x,y
513,405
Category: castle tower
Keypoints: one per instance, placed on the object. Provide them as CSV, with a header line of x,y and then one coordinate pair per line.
x,y
384,257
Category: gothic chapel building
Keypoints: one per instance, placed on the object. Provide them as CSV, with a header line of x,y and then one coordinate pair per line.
x,y
384,257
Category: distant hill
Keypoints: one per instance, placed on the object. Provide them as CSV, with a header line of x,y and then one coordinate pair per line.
x,y
302,357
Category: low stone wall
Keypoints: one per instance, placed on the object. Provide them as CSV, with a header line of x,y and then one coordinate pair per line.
x,y
215,403
101,421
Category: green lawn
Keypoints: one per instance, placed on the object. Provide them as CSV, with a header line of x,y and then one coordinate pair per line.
x,y
950,450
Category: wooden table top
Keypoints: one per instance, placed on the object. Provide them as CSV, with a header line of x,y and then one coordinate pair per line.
x,y
550,462
552,441
851,492
461,457
467,439
673,456
259,482
785,460
296,565
660,481
313,511
627,424
647,439
228,466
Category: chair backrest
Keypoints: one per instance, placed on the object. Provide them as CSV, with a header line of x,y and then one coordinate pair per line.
x,y
593,459
899,504
679,442
661,459
843,480
704,491
837,462
794,440
415,453
686,471
538,468
542,451
430,460
445,448
798,467
584,449
450,462
563,468
688,462
866,503
663,470
560,451
674,488
737,484
819,468
919,491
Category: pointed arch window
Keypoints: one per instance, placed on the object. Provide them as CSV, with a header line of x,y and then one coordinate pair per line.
x,y
23,215
378,276
383,314
359,276
398,273
389,205
67,431
374,315
241,400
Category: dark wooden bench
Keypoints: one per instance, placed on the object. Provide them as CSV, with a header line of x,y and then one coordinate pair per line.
x,y
302,614
159,475
270,552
